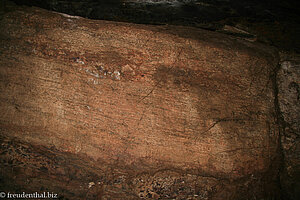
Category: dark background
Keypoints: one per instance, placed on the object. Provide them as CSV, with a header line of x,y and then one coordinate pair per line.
x,y
275,22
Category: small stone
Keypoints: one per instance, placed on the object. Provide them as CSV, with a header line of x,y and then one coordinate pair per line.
x,y
91,184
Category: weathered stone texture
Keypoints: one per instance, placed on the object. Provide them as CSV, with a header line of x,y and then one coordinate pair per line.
x,y
289,104
150,109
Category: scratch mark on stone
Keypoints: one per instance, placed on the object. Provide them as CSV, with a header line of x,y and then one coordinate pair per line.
x,y
215,123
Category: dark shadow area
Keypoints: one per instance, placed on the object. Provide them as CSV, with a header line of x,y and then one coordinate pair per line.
x,y
272,22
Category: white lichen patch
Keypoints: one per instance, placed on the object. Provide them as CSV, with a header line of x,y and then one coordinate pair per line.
x,y
96,82
116,75
78,148
95,74
99,72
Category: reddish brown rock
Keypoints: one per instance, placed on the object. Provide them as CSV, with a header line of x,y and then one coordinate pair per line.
x,y
98,109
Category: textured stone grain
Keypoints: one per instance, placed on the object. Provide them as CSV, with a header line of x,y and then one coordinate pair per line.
x,y
139,100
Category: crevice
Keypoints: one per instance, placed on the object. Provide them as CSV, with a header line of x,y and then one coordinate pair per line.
x,y
281,130
217,122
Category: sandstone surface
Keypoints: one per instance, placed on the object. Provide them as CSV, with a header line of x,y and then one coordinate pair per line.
x,y
108,110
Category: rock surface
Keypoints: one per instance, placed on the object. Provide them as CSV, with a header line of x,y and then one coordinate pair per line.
x,y
289,104
107,110
273,22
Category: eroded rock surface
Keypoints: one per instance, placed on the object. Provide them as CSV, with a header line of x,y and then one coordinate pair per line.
x,y
289,103
107,110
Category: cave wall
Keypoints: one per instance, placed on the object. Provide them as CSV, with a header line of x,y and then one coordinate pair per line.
x,y
97,109
288,102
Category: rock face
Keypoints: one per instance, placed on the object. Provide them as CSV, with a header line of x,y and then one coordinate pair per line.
x,y
107,110
289,104
272,22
